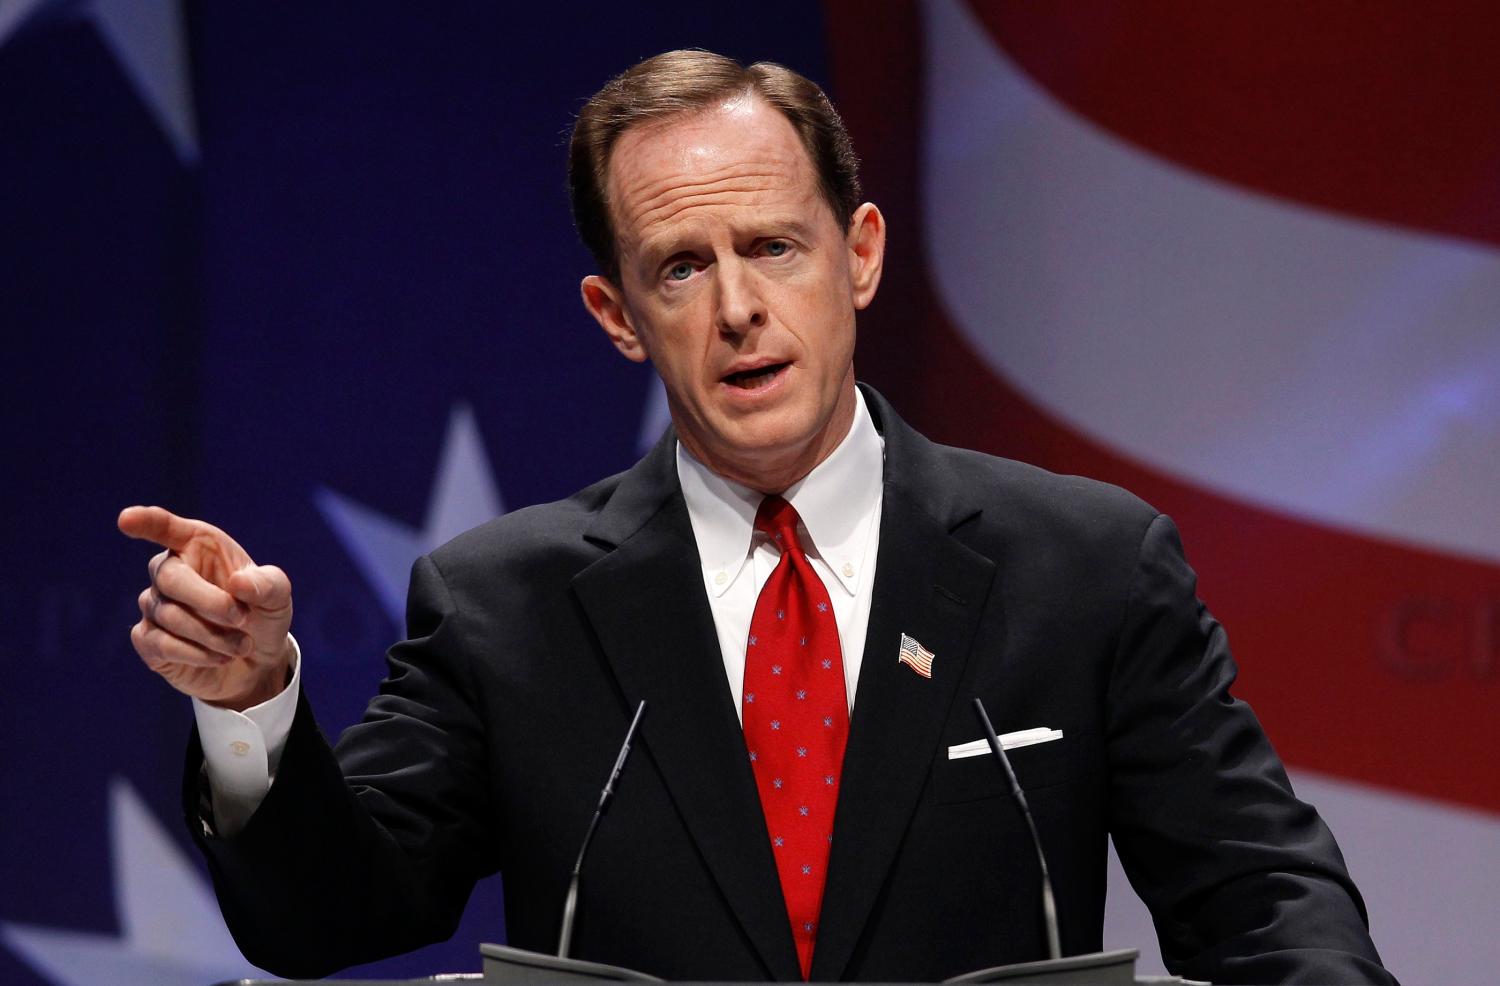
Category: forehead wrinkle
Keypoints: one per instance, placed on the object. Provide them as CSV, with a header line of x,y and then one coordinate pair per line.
x,y
706,197
648,196
774,169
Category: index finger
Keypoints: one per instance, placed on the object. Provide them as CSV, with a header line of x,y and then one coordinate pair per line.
x,y
161,526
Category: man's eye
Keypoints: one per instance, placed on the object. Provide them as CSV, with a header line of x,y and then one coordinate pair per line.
x,y
776,248
680,272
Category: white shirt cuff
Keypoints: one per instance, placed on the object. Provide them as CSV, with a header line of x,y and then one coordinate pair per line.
x,y
241,750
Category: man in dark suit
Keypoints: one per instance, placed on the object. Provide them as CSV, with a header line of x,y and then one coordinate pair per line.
x,y
723,208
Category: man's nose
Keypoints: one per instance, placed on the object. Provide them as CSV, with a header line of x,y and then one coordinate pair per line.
x,y
740,307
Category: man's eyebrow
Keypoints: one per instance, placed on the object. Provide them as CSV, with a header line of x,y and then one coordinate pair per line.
x,y
794,227
656,251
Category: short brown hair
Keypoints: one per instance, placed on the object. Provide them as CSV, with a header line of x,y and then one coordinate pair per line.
x,y
679,82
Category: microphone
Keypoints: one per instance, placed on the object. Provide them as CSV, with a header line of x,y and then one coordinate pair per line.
x,y
1049,905
570,905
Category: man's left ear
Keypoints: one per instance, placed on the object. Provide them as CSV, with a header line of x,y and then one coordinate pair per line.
x,y
606,302
866,241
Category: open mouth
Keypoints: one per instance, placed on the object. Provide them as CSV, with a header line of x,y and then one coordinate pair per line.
x,y
757,378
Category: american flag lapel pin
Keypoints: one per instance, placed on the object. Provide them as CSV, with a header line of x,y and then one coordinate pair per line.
x,y
915,656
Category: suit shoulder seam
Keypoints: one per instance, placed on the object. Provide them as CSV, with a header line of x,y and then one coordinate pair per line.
x,y
1130,590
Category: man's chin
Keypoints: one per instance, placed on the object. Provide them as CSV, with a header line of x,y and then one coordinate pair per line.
x,y
770,455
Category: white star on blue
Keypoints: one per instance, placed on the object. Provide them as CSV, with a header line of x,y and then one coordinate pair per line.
x,y
754,640
806,871
169,929
802,810
822,607
828,779
801,751
779,841
750,697
801,694
828,720
827,664
776,782
775,723
464,495
148,41
776,669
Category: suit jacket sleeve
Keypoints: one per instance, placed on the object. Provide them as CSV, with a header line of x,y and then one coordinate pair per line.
x,y
1244,881
334,868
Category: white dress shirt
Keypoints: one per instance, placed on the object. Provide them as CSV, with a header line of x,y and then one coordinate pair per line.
x,y
839,503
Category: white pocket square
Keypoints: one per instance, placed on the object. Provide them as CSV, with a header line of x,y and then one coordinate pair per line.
x,y
1008,741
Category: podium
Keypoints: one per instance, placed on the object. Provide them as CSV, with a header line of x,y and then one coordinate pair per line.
x,y
515,966
508,966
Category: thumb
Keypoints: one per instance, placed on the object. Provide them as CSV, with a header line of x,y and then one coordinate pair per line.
x,y
263,587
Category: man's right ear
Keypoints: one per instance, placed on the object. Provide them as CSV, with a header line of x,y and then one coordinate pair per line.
x,y
606,303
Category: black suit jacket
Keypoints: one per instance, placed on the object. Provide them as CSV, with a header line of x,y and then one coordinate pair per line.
x,y
1060,601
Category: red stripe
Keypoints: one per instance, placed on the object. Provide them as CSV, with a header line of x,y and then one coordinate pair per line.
x,y
1388,110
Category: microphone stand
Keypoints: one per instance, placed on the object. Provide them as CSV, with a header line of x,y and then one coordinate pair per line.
x,y
504,964
1114,968
1049,903
570,905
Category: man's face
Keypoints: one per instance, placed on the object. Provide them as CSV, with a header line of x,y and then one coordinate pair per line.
x,y
738,284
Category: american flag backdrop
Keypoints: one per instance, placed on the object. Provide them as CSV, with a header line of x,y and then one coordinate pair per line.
x,y
307,271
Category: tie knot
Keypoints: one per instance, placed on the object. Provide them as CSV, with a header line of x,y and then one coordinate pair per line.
x,y
778,519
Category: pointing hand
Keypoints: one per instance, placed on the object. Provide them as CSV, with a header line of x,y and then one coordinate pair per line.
x,y
213,623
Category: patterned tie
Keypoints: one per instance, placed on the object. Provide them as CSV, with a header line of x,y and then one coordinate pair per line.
x,y
796,720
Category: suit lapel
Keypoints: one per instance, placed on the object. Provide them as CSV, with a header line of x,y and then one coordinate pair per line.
x,y
931,586
646,602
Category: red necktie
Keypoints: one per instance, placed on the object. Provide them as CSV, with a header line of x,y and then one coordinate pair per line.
x,y
796,720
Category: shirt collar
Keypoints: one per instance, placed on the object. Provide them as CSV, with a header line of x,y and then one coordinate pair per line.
x,y
836,502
